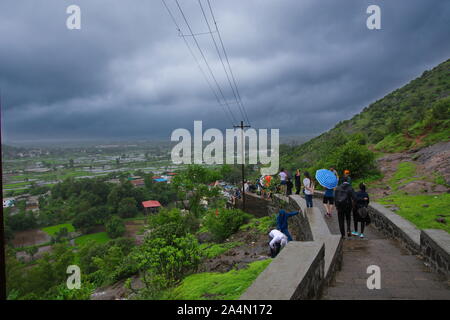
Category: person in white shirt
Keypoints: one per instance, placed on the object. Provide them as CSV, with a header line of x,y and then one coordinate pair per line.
x,y
283,180
277,241
309,189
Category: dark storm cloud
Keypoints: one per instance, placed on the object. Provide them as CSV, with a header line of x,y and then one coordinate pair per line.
x,y
301,66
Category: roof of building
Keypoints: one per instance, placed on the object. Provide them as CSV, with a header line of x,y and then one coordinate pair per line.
x,y
151,204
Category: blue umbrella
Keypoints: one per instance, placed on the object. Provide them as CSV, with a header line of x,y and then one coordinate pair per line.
x,y
326,178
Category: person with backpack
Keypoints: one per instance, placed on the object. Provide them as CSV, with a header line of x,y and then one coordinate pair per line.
x,y
308,189
344,196
360,210
282,222
277,240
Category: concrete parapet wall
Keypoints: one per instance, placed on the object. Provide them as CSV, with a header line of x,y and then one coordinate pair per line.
x,y
303,267
435,248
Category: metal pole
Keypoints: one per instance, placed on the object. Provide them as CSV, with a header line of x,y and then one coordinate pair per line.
x,y
243,161
2,228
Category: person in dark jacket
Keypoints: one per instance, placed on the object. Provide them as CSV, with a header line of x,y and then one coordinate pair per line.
x,y
289,186
344,196
282,222
298,184
361,201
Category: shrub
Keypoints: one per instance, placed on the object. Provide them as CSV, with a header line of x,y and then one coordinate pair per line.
x,y
171,259
169,223
127,208
225,222
354,157
115,227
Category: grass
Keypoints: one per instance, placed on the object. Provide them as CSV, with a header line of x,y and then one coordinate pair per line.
x,y
210,251
54,229
262,225
100,237
218,286
405,173
412,208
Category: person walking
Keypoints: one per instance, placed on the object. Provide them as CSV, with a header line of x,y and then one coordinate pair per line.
x,y
309,189
289,186
332,169
298,184
344,196
282,222
328,200
346,175
283,181
277,240
360,211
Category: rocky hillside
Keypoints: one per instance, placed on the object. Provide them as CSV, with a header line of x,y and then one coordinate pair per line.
x,y
412,117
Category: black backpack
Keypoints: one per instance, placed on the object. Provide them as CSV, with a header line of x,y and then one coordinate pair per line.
x,y
363,212
341,196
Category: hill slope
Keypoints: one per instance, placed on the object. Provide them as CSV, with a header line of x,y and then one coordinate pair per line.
x,y
412,117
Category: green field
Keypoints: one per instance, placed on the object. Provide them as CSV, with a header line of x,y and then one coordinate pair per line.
x,y
422,210
218,286
100,237
54,229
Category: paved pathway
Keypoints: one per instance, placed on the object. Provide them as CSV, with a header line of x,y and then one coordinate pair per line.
x,y
403,276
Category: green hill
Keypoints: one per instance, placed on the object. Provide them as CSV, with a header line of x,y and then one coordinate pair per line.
x,y
412,117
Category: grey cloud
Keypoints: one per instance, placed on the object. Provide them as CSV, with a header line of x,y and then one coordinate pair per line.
x,y
301,66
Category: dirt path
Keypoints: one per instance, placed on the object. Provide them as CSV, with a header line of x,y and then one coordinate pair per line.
x,y
403,276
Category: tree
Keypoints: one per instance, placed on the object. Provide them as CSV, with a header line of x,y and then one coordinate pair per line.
x,y
354,157
192,183
127,208
115,227
84,222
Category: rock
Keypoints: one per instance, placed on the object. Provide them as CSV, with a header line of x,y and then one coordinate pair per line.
x,y
441,220
425,205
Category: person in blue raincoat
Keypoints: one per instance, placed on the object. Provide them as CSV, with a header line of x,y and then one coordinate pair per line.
x,y
282,222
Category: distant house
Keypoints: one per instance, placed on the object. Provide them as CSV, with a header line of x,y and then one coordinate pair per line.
x,y
151,206
138,182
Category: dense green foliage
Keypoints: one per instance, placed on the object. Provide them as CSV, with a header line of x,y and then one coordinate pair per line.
x,y
413,116
115,227
224,222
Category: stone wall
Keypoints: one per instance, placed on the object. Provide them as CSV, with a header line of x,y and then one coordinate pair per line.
x,y
303,267
254,205
394,226
435,248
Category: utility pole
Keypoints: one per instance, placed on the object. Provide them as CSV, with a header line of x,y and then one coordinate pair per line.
x,y
2,227
243,161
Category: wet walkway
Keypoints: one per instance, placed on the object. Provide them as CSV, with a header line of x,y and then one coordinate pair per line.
x,y
403,276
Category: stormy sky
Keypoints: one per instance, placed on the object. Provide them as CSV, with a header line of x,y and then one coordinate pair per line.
x,y
300,65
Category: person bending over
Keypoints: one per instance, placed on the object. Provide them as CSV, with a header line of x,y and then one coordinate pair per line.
x,y
277,241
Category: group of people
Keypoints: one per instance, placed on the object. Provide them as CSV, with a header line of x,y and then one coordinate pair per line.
x,y
344,197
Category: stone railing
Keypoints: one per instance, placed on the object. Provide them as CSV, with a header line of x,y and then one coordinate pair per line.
x,y
435,248
432,244
305,265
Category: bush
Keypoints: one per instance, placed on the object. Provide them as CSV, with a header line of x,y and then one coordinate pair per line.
x,y
115,227
354,157
174,222
171,258
127,208
225,222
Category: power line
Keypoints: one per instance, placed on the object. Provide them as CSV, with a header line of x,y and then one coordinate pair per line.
x,y
198,63
204,58
228,62
220,57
